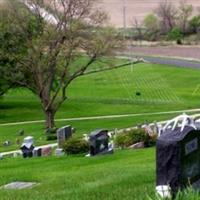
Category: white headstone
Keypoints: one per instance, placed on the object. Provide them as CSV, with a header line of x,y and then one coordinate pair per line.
x,y
59,152
28,141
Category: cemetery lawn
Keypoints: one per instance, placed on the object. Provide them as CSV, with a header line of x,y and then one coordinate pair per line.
x,y
127,174
161,88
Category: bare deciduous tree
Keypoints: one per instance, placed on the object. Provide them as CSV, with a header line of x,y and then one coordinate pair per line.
x,y
66,41
138,29
167,13
185,12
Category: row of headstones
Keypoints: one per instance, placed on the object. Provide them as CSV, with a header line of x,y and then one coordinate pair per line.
x,y
38,152
98,142
178,156
29,150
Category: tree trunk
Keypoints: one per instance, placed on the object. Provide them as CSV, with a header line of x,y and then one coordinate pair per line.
x,y
50,121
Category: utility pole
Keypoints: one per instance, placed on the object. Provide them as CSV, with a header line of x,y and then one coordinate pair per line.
x,y
124,29
124,14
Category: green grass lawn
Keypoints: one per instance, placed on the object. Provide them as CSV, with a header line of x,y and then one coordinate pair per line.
x,y
162,88
127,175
123,175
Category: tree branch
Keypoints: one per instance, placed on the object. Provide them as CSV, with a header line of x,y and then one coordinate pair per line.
x,y
111,68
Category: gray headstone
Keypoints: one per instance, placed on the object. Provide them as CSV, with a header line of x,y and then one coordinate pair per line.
x,y
63,134
6,143
137,145
37,152
59,152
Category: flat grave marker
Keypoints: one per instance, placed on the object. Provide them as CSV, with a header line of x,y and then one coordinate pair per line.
x,y
19,185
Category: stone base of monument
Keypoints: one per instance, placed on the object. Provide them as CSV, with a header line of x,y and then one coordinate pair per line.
x,y
164,191
138,145
109,151
59,152
19,185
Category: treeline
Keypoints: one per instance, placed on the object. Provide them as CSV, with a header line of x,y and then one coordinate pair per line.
x,y
168,22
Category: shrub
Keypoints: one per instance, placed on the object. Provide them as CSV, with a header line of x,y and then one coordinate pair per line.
x,y
51,137
76,145
152,140
176,34
125,139
51,134
138,135
194,24
51,130
151,22
152,27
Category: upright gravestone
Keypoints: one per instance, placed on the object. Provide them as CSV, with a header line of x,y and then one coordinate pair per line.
x,y
98,141
37,152
63,134
46,151
178,158
27,147
59,152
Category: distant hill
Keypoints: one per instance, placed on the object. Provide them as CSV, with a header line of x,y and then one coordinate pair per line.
x,y
136,9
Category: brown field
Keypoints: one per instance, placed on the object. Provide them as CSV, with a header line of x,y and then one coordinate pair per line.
x,y
192,52
135,9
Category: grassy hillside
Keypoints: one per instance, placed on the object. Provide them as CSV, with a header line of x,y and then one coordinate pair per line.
x,y
127,174
161,88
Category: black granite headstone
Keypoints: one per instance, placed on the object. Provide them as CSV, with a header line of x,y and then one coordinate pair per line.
x,y
27,151
27,147
98,141
178,158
